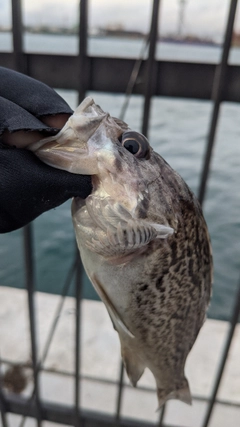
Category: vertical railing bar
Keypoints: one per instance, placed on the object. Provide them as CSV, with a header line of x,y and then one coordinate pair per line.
x,y
17,33
78,283
30,285
83,33
3,411
57,313
218,88
150,66
2,401
161,418
120,391
151,41
233,323
53,327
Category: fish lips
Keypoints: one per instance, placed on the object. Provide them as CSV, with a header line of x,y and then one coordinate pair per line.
x,y
75,148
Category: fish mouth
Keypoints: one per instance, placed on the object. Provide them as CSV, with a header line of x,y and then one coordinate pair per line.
x,y
70,149
76,147
60,156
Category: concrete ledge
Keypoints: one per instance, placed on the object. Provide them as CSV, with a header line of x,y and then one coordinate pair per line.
x,y
100,358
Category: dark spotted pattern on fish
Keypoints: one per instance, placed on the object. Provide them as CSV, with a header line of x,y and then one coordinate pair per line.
x,y
178,286
143,242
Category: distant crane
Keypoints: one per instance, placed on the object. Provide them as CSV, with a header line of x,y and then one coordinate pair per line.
x,y
181,15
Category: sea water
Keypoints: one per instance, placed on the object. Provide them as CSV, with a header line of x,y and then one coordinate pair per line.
x,y
178,131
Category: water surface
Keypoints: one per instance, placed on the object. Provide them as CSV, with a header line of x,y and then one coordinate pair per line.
x,y
178,131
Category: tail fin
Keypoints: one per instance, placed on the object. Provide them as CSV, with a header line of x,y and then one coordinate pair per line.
x,y
181,392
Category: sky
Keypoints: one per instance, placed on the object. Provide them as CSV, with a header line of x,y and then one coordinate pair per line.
x,y
202,17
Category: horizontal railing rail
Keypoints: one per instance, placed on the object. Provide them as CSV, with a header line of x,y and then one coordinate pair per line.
x,y
174,78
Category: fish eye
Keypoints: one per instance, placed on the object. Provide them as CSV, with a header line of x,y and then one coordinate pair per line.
x,y
131,145
136,143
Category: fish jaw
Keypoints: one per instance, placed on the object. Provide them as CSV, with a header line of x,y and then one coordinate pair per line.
x,y
88,135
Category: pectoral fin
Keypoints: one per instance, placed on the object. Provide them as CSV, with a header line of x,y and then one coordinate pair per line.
x,y
116,319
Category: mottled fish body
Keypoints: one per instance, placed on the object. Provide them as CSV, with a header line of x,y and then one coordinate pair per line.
x,y
143,241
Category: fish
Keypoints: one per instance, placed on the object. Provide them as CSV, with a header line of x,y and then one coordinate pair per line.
x,y
143,241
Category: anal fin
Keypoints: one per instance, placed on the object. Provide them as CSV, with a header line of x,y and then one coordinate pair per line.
x,y
120,326
132,362
133,365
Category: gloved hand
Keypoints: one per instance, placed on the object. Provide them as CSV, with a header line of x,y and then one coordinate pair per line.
x,y
28,187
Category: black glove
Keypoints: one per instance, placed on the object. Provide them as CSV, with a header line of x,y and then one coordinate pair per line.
x,y
24,101
28,187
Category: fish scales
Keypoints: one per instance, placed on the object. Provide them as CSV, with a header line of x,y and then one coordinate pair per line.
x,y
143,241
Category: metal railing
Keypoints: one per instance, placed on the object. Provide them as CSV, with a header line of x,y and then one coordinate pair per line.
x,y
214,84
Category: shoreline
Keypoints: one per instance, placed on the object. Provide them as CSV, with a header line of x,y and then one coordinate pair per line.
x,y
127,36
